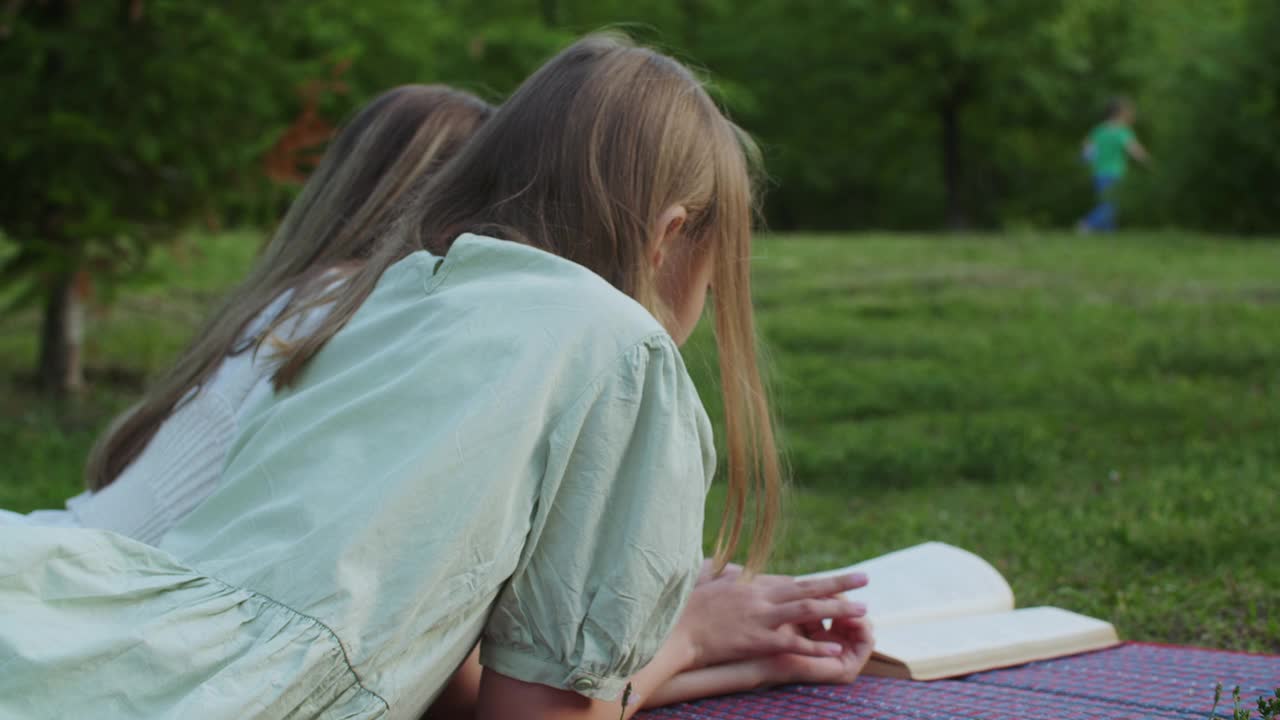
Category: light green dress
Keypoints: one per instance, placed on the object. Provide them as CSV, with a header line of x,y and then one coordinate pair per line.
x,y
499,446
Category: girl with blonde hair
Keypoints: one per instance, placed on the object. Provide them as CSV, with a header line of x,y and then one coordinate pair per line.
x,y
488,438
163,456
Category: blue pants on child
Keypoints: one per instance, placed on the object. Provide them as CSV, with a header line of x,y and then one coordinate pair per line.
x,y
1103,217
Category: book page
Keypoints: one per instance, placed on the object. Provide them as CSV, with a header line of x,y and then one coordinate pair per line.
x,y
927,582
943,648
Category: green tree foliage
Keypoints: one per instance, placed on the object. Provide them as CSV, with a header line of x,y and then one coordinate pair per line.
x,y
907,113
900,113
125,121
1217,124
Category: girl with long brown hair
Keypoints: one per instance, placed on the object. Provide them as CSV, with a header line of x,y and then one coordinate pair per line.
x,y
160,458
489,438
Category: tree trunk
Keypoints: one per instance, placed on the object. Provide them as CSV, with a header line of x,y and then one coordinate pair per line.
x,y
952,166
60,369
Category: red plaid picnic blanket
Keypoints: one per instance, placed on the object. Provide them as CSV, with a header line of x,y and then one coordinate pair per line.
x,y
1135,680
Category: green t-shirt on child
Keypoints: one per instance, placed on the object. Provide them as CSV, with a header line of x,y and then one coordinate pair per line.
x,y
1110,143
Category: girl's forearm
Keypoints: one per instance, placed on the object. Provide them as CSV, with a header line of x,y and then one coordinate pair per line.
x,y
672,662
707,682
504,697
459,701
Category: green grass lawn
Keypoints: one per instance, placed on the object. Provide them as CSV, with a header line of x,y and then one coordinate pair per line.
x,y
1096,416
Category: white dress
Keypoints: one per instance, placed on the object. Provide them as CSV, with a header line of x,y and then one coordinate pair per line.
x,y
183,462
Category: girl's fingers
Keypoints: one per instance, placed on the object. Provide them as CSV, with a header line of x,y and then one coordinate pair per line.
x,y
857,634
853,629
801,612
817,587
864,646
812,628
800,645
850,624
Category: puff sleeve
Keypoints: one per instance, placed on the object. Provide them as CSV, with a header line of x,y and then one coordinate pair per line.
x,y
616,535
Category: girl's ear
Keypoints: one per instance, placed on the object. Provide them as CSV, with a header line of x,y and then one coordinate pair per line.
x,y
668,227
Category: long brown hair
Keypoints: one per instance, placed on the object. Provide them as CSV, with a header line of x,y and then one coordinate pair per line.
x,y
581,161
402,136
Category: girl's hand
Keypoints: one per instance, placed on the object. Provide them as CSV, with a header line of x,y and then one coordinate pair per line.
x,y
707,573
729,619
853,635
856,639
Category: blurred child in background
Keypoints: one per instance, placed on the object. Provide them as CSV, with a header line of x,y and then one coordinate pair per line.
x,y
1107,149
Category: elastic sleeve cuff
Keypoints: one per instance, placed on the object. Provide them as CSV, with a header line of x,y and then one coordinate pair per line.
x,y
524,666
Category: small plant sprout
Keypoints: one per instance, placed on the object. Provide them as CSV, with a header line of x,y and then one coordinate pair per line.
x,y
1268,708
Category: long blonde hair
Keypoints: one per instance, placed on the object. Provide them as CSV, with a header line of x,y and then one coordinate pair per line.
x,y
393,143
581,161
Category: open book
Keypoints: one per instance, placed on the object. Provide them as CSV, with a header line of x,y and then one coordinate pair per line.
x,y
939,611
